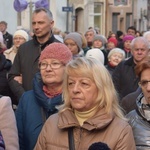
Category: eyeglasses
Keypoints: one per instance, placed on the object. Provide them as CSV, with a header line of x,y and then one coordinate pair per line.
x,y
53,65
19,38
143,83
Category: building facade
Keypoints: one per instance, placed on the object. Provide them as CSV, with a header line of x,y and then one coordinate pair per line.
x,y
109,15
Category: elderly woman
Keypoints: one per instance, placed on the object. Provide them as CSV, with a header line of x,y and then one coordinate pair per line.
x,y
37,105
19,37
115,56
90,113
74,42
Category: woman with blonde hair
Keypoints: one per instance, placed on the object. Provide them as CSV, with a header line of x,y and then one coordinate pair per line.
x,y
90,113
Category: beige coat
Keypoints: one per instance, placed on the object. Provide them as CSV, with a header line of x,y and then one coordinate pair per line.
x,y
11,53
113,131
8,126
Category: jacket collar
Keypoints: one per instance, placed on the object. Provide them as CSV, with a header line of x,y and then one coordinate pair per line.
x,y
142,108
130,62
42,46
99,121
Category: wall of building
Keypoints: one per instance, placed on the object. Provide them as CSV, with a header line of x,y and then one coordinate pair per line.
x,y
9,15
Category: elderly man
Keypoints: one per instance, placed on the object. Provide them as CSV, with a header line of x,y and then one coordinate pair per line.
x,y
89,35
139,118
26,61
124,77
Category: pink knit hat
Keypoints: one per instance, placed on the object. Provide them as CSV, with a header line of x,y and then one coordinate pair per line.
x,y
128,37
56,51
113,40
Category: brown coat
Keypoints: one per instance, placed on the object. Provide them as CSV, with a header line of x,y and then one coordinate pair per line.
x,y
113,131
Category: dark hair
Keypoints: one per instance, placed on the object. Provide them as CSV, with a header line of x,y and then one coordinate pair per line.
x,y
132,28
47,11
3,22
99,146
139,33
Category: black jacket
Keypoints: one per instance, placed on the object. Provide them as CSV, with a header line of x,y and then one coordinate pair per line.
x,y
124,78
5,65
8,38
26,64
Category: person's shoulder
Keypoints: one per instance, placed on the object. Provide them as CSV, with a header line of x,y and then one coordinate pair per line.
x,y
27,94
5,101
52,120
132,114
119,125
8,34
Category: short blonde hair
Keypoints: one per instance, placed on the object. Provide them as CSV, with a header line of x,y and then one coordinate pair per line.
x,y
91,68
116,50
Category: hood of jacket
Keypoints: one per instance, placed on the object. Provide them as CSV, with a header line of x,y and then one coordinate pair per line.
x,y
49,104
141,106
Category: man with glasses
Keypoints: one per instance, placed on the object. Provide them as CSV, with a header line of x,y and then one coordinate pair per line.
x,y
26,61
139,119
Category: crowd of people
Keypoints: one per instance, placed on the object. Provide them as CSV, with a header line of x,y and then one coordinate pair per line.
x,y
76,91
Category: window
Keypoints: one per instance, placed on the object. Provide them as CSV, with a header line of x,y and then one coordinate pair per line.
x,y
120,2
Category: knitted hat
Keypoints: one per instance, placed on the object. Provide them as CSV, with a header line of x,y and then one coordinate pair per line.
x,y
56,51
99,37
90,30
113,40
76,37
95,53
22,33
128,37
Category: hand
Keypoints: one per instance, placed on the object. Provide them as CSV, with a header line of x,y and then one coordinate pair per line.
x,y
18,79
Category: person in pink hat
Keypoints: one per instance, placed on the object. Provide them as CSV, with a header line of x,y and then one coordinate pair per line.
x,y
127,39
36,105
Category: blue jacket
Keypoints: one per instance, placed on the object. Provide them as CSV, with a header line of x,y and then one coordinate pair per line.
x,y
33,110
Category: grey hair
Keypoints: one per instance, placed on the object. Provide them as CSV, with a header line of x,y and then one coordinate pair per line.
x,y
139,39
47,11
116,50
147,33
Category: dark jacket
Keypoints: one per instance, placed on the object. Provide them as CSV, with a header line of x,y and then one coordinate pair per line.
x,y
8,39
128,103
33,110
124,78
140,125
5,65
110,68
26,64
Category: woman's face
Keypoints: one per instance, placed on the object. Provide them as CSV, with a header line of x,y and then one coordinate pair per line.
x,y
97,44
83,93
110,45
127,44
52,76
115,59
72,46
18,40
